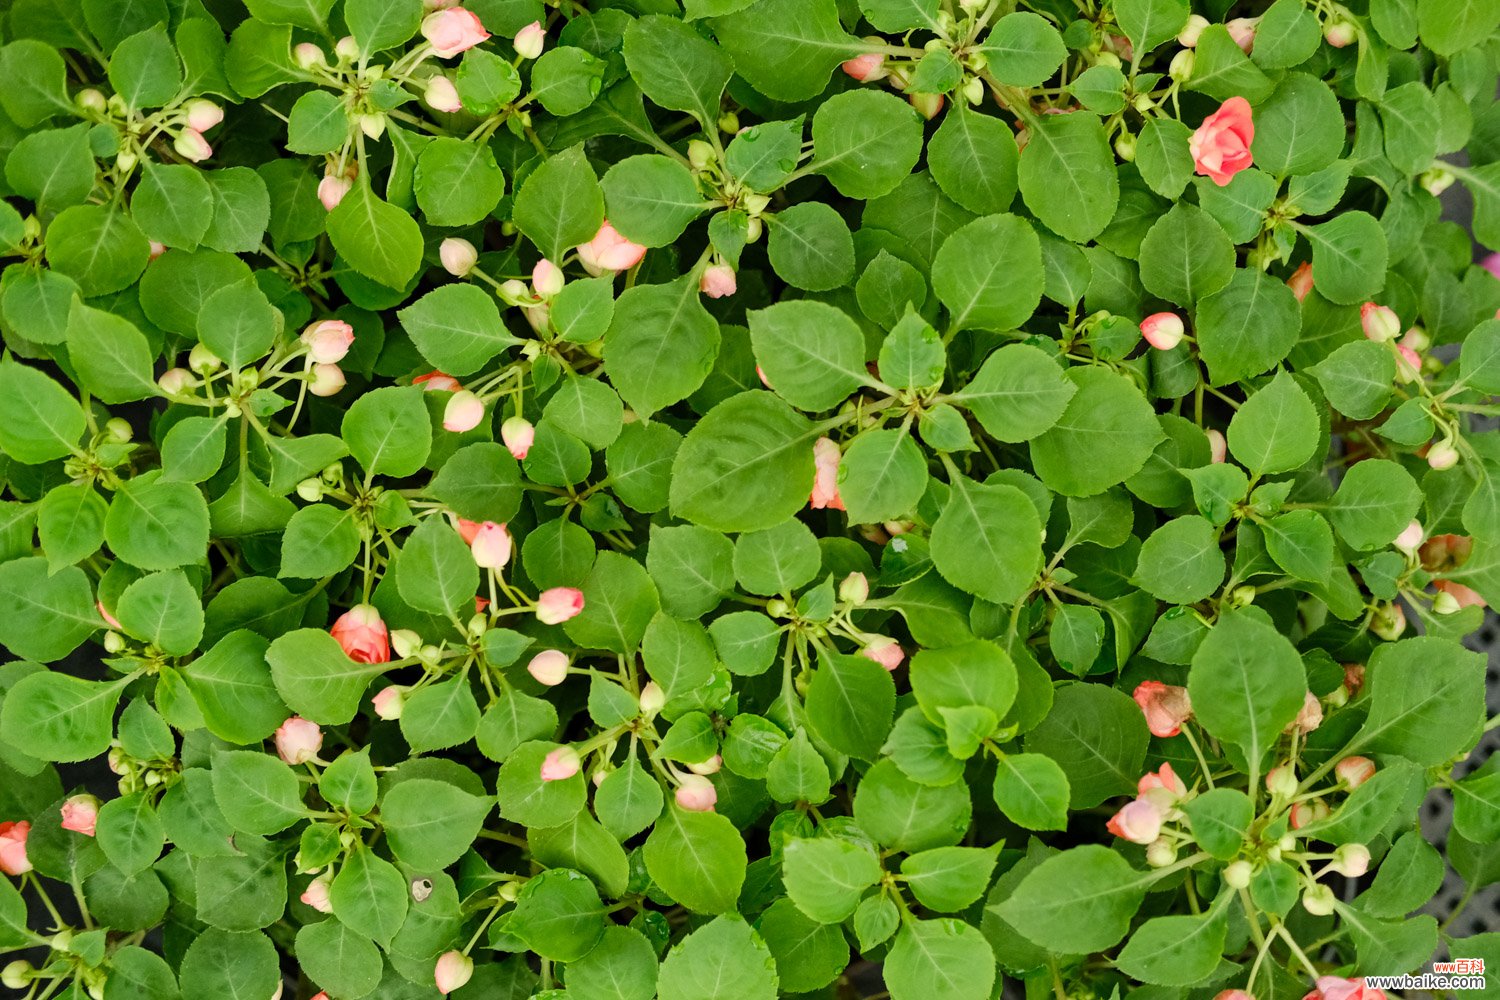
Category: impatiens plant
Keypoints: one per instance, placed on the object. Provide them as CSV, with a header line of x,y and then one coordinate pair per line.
x,y
728,499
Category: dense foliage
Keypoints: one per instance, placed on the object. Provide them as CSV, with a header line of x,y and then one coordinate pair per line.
x,y
738,498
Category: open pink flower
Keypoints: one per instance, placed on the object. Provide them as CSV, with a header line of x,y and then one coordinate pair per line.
x,y
363,635
1161,787
1221,146
1466,597
1166,707
452,31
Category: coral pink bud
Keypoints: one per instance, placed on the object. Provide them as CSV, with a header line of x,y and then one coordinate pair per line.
x,y
1138,821
1281,780
316,895
1233,995
175,381
453,969
927,105
884,651
1442,456
298,740
825,491
388,702
1242,30
718,281
458,256
13,860
561,764
547,279
327,342
437,382
331,190
463,413
307,55
518,434
203,115
1351,860
327,380
467,530
1380,323
362,635
450,32
1310,716
549,667
1163,330
80,813
1464,597
1410,539
558,604
1163,780
609,251
190,145
157,249
109,619
1221,145
1408,364
491,546
1305,813
1340,33
865,68
530,40
441,95
696,793
1166,707
1192,31
1218,448
1301,281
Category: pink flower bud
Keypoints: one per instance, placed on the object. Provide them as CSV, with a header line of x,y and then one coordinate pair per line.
x,y
1242,30
1163,330
453,969
1218,448
1305,813
1301,281
547,279
1281,781
825,491
927,105
609,251
1233,995
80,813
441,95
1410,539
1190,33
518,434
13,860
855,589
1138,821
549,667
307,55
865,68
331,190
327,380
1380,323
463,413
1166,707
1340,33
450,32
696,793
316,895
175,381
1464,597
190,145
328,341
203,115
109,619
718,281
1221,145
1162,788
884,651
458,256
1351,860
157,249
1310,716
561,764
491,546
388,702
298,740
1442,456
530,40
437,382
362,635
1408,364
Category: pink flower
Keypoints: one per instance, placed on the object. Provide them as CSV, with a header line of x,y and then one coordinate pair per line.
x,y
80,813
389,702
547,279
1162,787
1242,30
825,491
530,40
298,740
1334,988
327,342
363,635
467,530
886,652
1491,263
13,860
190,145
561,764
1163,330
696,793
1340,33
1310,717
203,115
1218,448
436,381
1301,281
549,667
865,68
1304,813
718,281
491,546
1410,539
1351,860
1166,707
518,434
450,32
331,190
458,256
453,969
1138,821
109,619
609,251
1221,146
557,604
1380,323
1233,995
1408,364
316,895
441,95
327,380
464,412
1465,596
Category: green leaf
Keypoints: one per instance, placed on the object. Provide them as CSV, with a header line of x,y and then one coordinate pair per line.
x,y
1181,562
1104,436
850,701
70,524
457,183
40,89
722,960
1076,902
746,465
173,204
661,344
1218,819
619,603
1024,50
560,205
558,915
899,813
786,49
130,833
697,859
257,793
811,247
381,24
651,199
1299,129
1180,950
431,823
883,475
948,879
826,876
377,239
677,67
1067,170
238,323
232,687
1149,23
943,959
39,419
388,431
1374,503
989,274
1426,700
57,717
988,540
1349,257
1248,326
1018,393
163,609
865,142
157,525
144,70
621,967
1098,737
974,159
237,966
1247,684
1186,255
811,352
315,677
1450,27
1276,429
1032,791
338,958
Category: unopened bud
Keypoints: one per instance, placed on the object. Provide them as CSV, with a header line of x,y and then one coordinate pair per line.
x,y
700,154
1318,900
1125,147
1442,456
1237,874
16,975
1281,781
114,642
1160,853
119,429
652,698
1445,604
203,361
1351,860
1181,67
307,55
1388,622
310,490
855,589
